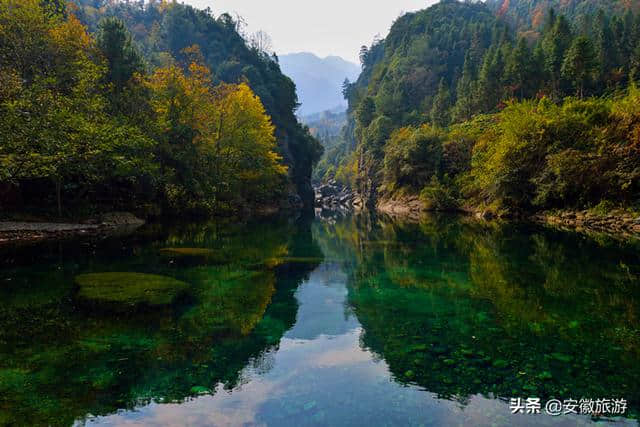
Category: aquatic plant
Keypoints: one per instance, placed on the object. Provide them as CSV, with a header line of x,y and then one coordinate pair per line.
x,y
187,251
129,288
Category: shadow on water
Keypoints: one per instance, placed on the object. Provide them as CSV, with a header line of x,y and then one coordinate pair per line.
x,y
345,322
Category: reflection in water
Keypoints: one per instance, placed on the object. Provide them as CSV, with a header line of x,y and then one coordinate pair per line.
x,y
62,359
437,323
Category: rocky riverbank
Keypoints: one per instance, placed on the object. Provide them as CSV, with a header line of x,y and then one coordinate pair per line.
x,y
617,223
407,206
335,197
17,232
331,197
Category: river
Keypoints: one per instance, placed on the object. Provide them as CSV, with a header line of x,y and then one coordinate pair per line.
x,y
355,321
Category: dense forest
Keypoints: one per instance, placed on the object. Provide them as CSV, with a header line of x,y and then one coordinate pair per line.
x,y
328,128
154,107
505,106
483,106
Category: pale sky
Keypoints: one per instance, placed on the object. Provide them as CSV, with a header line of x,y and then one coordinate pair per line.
x,y
323,27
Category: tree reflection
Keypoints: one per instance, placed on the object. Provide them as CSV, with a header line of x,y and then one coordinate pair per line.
x,y
61,360
463,308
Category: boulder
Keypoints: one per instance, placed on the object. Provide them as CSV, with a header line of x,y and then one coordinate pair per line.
x,y
328,190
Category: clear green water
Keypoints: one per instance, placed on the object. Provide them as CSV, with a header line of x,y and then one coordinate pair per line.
x,y
359,322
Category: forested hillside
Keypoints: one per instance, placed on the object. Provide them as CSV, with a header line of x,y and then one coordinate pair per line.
x,y
164,29
469,110
121,105
530,14
328,128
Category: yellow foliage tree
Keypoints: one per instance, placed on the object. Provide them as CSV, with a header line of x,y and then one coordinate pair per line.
x,y
244,143
223,133
52,117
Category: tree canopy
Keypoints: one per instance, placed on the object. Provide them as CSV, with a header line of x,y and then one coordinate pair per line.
x,y
480,72
85,120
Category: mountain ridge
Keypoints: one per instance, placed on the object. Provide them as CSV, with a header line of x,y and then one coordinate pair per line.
x,y
318,80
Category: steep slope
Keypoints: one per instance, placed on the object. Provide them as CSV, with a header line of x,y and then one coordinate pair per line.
x,y
328,127
163,30
430,89
403,75
319,81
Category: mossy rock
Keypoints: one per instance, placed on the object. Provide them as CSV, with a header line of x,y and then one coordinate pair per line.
x,y
198,390
129,288
13,379
187,252
276,262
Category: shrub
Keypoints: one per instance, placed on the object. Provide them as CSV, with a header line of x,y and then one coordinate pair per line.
x,y
439,196
412,157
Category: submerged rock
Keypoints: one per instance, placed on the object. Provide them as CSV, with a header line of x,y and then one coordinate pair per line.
x,y
187,251
129,288
500,363
276,262
566,358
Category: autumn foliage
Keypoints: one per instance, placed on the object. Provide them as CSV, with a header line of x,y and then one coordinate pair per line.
x,y
85,115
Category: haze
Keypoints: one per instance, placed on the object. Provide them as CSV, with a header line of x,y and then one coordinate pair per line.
x,y
327,27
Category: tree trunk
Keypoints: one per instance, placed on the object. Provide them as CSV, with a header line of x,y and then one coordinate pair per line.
x,y
59,196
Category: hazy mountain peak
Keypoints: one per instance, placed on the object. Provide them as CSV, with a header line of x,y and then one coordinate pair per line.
x,y
318,80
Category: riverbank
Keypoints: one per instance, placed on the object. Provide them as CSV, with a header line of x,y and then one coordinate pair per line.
x,y
406,206
23,232
617,223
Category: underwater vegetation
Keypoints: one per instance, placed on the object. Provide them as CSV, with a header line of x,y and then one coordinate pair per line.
x,y
188,251
129,288
64,356
453,307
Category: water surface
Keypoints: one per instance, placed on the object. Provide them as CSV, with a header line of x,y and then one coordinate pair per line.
x,y
359,321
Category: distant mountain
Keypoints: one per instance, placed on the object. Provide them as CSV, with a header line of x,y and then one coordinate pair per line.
x,y
327,124
319,81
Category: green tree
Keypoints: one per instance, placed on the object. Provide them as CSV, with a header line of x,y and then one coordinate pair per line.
x,y
123,59
555,44
605,47
489,83
55,126
440,114
634,64
346,89
466,92
579,64
366,112
519,69
412,158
